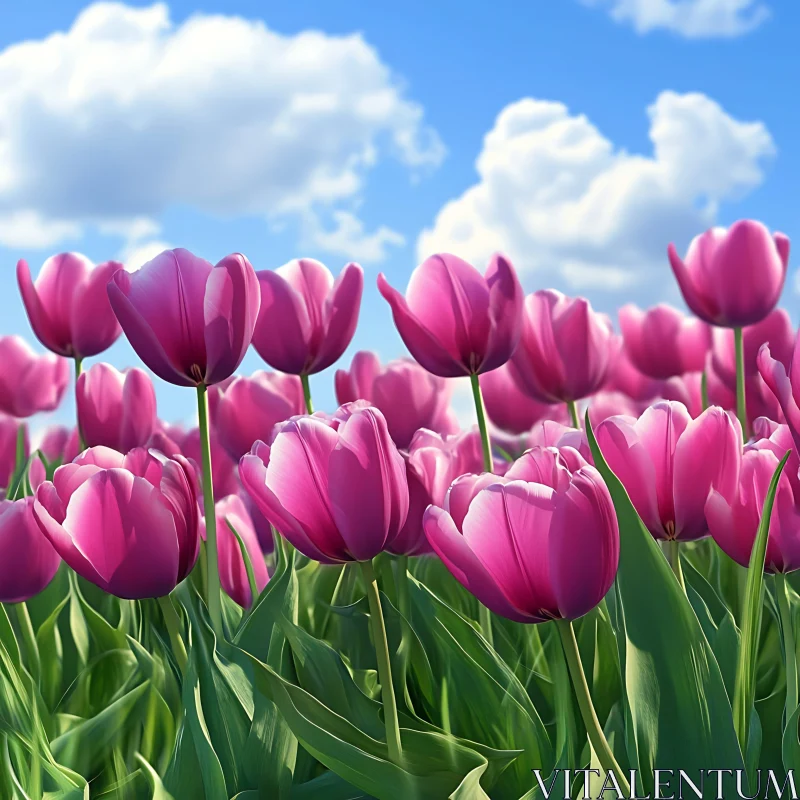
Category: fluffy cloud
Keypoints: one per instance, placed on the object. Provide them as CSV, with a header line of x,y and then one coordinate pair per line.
x,y
349,239
694,19
559,198
127,114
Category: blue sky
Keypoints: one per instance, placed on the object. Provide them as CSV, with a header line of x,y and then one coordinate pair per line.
x,y
578,137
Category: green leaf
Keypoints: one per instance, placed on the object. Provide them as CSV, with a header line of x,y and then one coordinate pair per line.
x,y
152,777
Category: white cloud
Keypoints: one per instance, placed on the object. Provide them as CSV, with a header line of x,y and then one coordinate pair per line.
x,y
137,254
349,239
556,196
127,114
694,19
30,229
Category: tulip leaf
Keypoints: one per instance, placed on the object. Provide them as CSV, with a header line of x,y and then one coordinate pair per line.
x,y
328,785
153,779
677,711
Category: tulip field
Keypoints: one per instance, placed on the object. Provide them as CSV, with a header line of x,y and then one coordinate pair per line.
x,y
589,592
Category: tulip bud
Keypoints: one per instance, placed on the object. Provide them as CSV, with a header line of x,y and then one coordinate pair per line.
x,y
30,383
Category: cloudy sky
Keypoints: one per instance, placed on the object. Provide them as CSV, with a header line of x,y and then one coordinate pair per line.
x,y
579,137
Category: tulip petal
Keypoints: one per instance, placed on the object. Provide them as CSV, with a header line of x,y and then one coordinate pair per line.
x,y
42,327
97,330
506,300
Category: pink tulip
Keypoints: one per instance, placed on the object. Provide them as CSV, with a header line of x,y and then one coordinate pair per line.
x,y
784,383
9,432
232,570
169,439
27,559
760,400
612,404
67,305
249,408
223,467
626,378
30,383
733,277
307,319
530,550
777,438
687,389
336,489
550,433
646,334
454,320
129,524
60,444
669,463
566,348
409,397
191,323
116,409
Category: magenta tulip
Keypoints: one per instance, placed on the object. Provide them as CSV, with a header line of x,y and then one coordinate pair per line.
x,y
733,277
223,468
67,305
30,383
307,319
232,571
129,524
646,334
626,378
336,489
760,400
530,551
168,439
409,396
60,444
669,463
455,321
116,409
566,348
28,561
191,323
9,434
784,384
612,404
249,408
551,433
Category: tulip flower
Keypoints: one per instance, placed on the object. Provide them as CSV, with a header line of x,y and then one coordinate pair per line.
x,y
611,404
231,511
60,444
127,523
13,438
116,409
760,400
646,333
223,468
409,397
28,561
307,319
626,378
784,382
169,439
249,408
551,433
29,383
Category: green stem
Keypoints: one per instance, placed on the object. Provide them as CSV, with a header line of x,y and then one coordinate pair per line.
x,y
591,722
704,390
572,407
323,628
173,624
479,410
403,605
741,399
384,664
78,370
789,647
213,598
29,639
672,550
307,392
485,620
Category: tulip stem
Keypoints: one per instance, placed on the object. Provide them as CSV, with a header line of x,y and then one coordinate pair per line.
x,y
672,550
29,638
741,398
307,392
789,647
572,407
384,664
213,598
704,390
403,604
595,732
173,624
78,370
480,411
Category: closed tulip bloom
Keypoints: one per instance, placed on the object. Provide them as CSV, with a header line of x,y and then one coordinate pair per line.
x,y
611,404
624,377
530,551
9,433
169,439
223,467
662,343
784,384
566,348
30,383
733,277
189,321
307,318
336,489
777,438
409,396
249,408
669,463
760,400
28,561
455,321
68,306
550,433
129,524
60,444
232,570
116,409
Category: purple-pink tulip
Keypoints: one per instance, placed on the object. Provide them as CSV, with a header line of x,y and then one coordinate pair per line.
x,y
566,348
541,543
669,463
613,404
116,409
335,488
129,524
733,277
223,467
189,321
307,319
409,396
30,383
9,434
60,444
28,561
68,306
551,433
760,400
784,383
661,342
455,321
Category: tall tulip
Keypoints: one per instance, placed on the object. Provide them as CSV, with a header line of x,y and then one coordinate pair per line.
x,y
191,323
30,383
224,477
59,444
13,446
